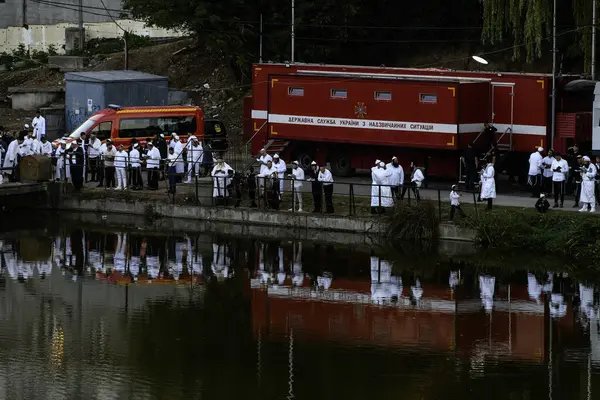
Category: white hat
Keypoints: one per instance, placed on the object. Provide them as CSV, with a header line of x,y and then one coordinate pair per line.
x,y
192,137
135,146
313,163
542,195
381,164
454,187
26,126
540,149
263,149
377,162
586,158
394,158
150,143
162,135
276,156
295,163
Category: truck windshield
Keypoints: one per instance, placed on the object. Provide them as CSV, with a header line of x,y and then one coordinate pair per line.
x,y
85,127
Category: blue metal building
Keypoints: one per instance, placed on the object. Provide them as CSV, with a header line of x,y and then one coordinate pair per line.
x,y
88,92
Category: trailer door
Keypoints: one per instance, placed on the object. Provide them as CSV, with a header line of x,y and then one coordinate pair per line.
x,y
503,111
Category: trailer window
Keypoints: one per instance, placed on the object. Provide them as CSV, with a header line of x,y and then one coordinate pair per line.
x,y
339,93
383,96
139,127
296,91
428,98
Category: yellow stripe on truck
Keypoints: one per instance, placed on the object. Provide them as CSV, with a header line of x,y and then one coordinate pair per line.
x,y
159,110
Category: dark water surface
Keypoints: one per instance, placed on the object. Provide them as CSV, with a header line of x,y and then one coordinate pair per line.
x,y
93,312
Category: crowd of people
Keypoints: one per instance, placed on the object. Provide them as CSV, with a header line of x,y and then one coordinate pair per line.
x,y
550,173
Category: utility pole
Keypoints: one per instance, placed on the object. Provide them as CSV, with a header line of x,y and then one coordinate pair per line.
x,y
552,133
125,50
25,14
293,33
593,40
260,48
81,31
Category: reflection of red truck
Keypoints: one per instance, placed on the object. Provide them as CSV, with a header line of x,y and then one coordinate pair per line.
x,y
441,322
350,115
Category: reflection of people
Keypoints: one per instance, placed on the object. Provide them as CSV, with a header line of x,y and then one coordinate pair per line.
x,y
297,273
220,264
486,287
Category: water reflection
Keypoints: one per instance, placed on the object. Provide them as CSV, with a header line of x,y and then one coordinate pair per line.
x,y
180,316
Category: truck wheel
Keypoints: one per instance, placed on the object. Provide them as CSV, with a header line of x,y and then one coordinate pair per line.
x,y
304,158
340,165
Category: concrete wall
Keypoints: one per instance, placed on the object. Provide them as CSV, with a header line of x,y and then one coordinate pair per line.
x,y
33,98
302,224
40,37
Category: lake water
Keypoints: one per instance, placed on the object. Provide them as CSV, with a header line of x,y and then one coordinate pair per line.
x,y
94,312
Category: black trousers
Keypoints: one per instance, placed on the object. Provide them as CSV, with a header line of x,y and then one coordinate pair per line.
x,y
109,175
93,165
153,175
577,192
317,197
136,177
547,184
536,185
395,192
453,209
413,187
559,191
471,177
328,190
77,176
100,171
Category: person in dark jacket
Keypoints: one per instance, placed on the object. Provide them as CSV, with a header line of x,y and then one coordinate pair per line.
x,y
576,178
312,176
542,204
161,144
76,159
470,163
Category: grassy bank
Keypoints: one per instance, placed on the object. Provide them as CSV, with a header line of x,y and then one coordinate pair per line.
x,y
565,236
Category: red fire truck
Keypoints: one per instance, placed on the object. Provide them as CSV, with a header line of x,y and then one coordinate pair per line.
x,y
349,116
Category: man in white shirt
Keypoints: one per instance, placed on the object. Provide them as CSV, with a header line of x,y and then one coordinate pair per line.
x,y
194,158
109,164
121,161
455,203
416,181
153,165
34,145
136,168
326,179
297,183
39,126
46,147
535,172
560,169
547,172
93,153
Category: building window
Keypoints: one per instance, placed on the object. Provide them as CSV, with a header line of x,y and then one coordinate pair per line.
x,y
339,93
296,91
428,98
383,96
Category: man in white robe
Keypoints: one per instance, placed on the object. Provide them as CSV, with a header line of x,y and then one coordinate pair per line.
x,y
381,193
46,147
488,184
263,159
588,175
396,178
281,168
194,158
63,169
11,159
297,183
39,125
535,172
220,175
178,147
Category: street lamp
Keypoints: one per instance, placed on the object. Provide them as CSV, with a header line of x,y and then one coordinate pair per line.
x,y
480,60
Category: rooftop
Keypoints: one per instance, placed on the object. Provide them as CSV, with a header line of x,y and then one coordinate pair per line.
x,y
112,76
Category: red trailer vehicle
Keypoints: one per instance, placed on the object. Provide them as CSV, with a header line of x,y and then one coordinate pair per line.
x,y
350,116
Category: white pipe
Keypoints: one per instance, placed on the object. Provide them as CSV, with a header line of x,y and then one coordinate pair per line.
x,y
395,76
594,40
293,33
553,124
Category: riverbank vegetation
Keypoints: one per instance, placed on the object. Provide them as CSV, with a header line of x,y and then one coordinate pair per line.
x,y
567,237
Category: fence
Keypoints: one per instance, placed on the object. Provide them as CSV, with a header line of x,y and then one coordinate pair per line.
x,y
244,190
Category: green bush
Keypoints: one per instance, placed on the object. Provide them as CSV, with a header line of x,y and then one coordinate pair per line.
x,y
576,236
412,222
